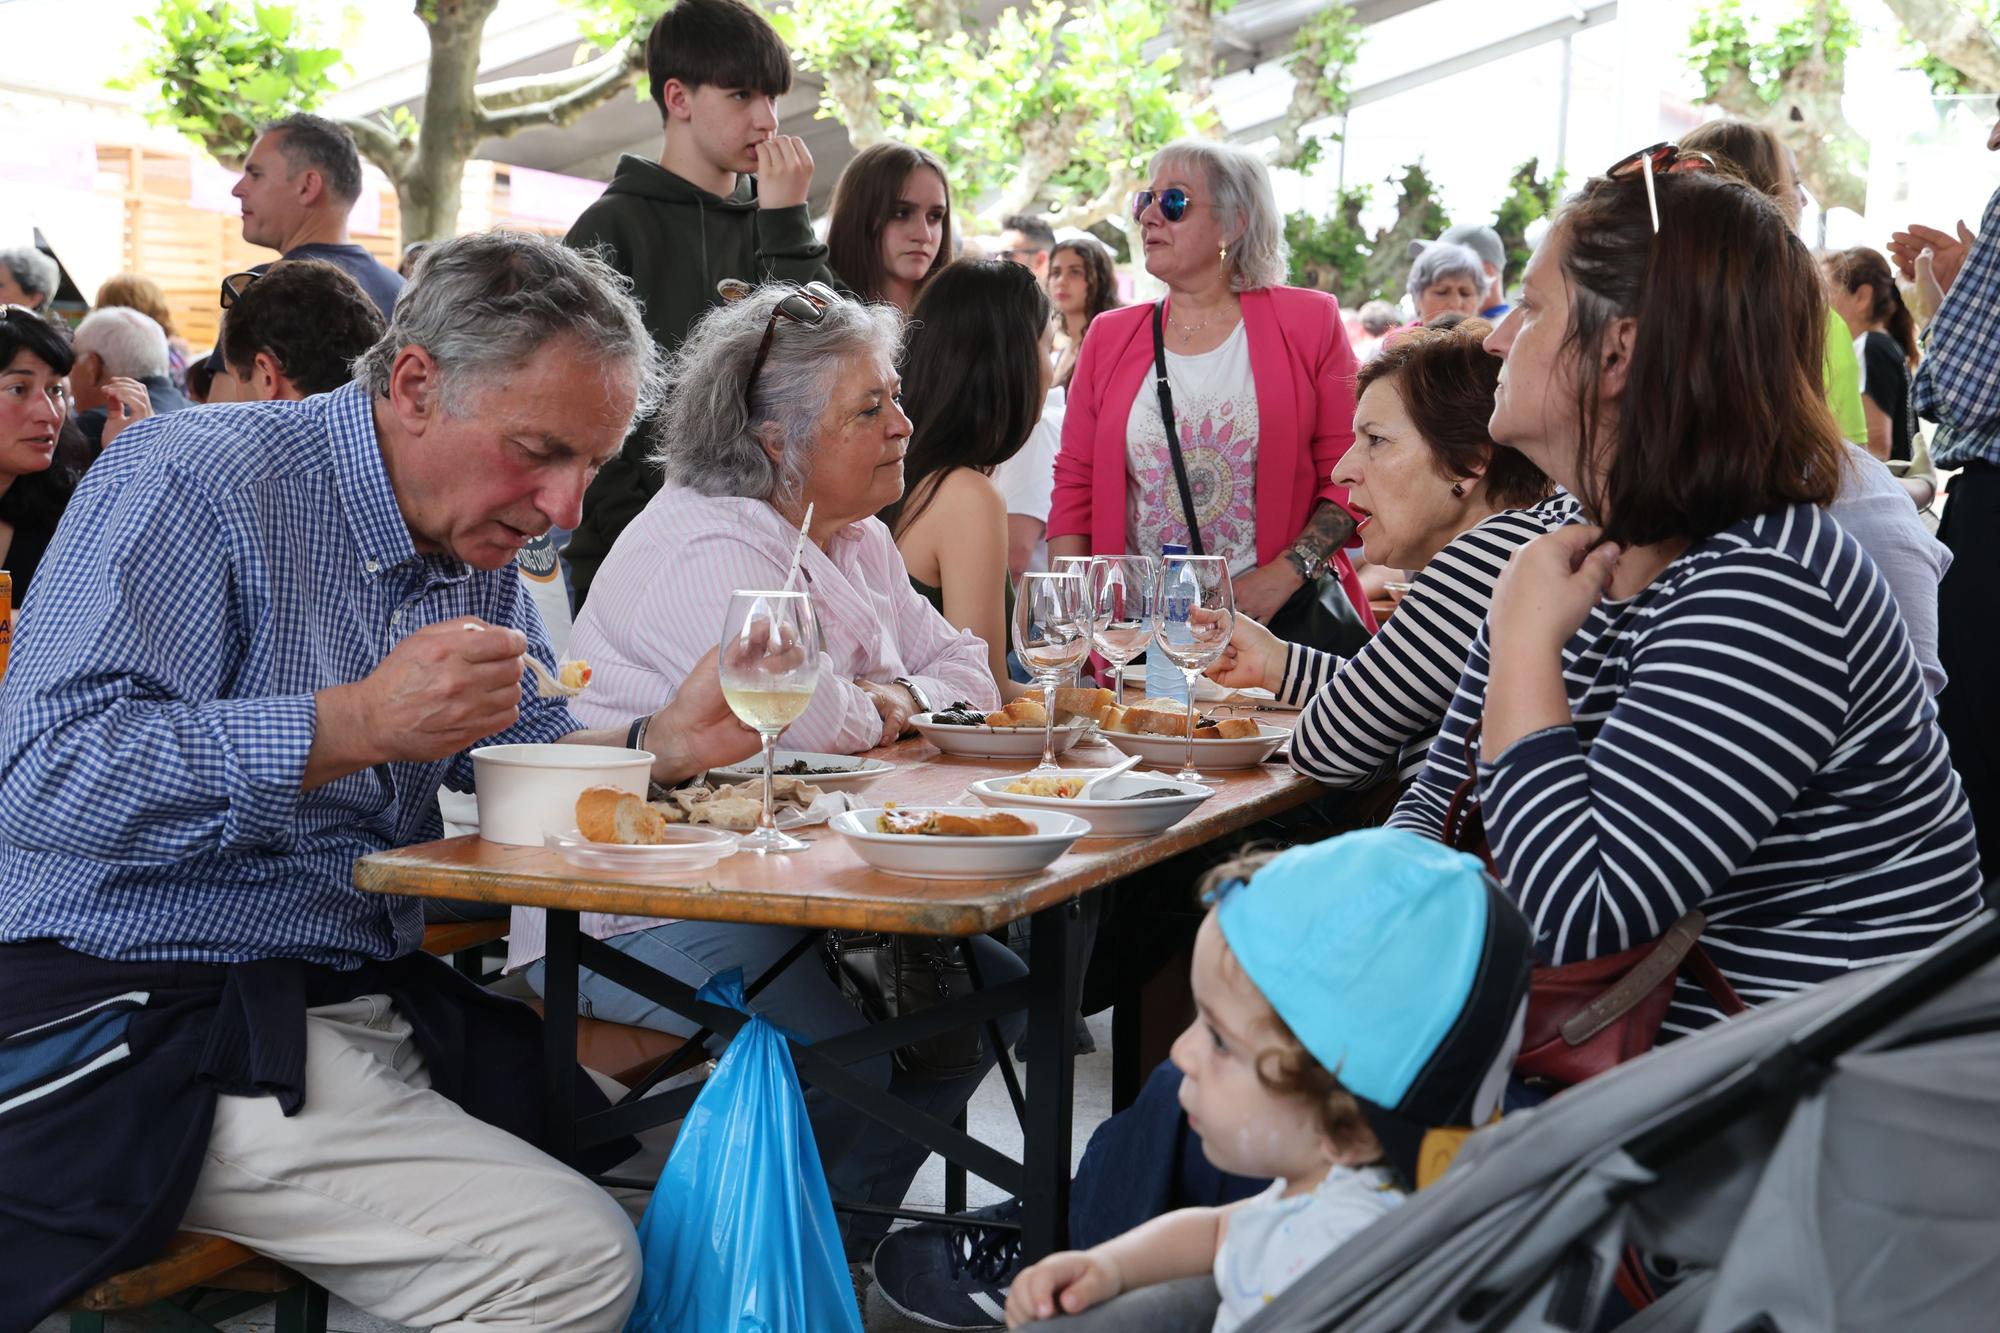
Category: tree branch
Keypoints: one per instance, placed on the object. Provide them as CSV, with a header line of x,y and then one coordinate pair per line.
x,y
1951,32
380,145
508,106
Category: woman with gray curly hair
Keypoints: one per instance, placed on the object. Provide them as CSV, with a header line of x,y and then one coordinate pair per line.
x,y
782,400
1260,378
1446,278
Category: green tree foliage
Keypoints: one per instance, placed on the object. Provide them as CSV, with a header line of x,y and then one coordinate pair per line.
x,y
1336,254
1528,198
217,70
1321,63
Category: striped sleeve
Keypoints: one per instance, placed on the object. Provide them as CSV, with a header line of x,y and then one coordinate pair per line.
x,y
1364,713
1736,694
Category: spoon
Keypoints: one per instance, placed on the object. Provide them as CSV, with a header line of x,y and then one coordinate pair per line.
x,y
1098,783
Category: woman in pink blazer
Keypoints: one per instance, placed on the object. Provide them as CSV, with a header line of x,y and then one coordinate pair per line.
x,y
1262,383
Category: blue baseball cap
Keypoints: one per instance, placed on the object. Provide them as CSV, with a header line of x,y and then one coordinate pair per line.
x,y
1397,962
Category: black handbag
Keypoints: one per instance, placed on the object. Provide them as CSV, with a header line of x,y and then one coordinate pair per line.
x,y
886,976
1320,614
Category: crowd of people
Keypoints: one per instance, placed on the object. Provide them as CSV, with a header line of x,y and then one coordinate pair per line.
x,y
1671,633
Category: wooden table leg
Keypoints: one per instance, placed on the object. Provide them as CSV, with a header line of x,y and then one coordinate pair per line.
x,y
1051,1085
559,982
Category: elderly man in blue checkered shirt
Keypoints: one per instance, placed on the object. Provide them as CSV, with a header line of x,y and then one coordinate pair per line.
x,y
1958,386
263,636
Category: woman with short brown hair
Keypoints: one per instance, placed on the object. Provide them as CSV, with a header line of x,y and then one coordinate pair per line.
x,y
1700,695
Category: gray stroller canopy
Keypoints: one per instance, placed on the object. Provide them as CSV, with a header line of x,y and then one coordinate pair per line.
x,y
1827,1162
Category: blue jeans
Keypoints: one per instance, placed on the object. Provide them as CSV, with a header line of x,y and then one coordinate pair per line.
x,y
865,1160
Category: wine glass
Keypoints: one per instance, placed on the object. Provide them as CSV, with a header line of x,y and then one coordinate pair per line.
x,y
1051,634
1124,595
1078,565
1196,617
769,665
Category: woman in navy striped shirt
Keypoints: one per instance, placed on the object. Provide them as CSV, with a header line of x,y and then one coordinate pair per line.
x,y
1702,696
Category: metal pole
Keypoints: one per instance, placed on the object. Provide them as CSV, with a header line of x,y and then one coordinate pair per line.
x,y
1562,111
1340,174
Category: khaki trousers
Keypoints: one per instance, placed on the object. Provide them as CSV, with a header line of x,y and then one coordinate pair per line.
x,y
391,1197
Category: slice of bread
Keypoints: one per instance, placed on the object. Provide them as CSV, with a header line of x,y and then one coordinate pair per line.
x,y
1023,712
1235,728
1155,717
610,814
1076,702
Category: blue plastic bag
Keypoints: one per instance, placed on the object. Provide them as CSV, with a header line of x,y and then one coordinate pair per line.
x,y
739,1236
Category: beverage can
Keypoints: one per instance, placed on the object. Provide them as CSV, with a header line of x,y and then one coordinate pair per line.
x,y
1163,679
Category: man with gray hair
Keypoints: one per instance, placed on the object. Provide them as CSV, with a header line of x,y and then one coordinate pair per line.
x,y
121,372
263,637
28,277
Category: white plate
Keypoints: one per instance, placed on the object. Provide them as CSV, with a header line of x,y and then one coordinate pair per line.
x,y
1206,691
1169,751
998,742
858,772
688,847
960,858
1109,818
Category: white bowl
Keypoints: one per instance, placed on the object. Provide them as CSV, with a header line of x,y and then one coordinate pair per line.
x,y
1108,817
527,792
998,742
1245,752
855,772
923,857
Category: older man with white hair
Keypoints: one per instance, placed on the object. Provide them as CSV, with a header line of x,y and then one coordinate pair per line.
x,y
264,635
28,277
120,374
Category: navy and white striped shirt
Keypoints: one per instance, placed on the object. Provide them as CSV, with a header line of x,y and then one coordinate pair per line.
x,y
1751,737
214,570
1957,384
1375,714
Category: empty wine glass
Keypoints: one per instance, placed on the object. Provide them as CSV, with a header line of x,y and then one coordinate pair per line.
x,y
769,665
1124,594
1080,566
1197,614
1051,634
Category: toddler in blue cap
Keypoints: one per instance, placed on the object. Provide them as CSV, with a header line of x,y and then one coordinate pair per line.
x,y
1350,996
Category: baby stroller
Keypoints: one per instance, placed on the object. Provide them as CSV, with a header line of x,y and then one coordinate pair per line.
x,y
1827,1162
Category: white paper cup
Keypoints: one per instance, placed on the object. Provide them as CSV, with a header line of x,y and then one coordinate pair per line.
x,y
529,791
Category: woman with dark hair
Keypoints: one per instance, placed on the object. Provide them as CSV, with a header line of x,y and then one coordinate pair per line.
x,y
40,450
889,230
1698,696
975,372
1433,493
1864,294
1082,286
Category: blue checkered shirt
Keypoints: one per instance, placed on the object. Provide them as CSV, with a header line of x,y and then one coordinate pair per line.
x,y
214,569
1958,383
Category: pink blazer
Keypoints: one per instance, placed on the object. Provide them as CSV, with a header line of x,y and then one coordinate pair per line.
x,y
1304,371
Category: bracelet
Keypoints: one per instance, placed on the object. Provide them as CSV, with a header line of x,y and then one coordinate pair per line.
x,y
635,735
923,704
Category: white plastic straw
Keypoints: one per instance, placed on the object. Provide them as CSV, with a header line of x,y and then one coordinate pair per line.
x,y
799,550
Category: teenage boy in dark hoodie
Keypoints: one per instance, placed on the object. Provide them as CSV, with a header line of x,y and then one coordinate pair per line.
x,y
678,227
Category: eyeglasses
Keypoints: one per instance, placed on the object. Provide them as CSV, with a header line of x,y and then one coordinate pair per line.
x,y
1173,203
808,306
1662,159
235,285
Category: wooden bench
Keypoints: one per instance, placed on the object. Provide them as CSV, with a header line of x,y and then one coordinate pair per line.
x,y
462,941
625,1052
197,1283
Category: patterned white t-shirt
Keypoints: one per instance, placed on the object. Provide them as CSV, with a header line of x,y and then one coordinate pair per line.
x,y
1273,1240
1215,397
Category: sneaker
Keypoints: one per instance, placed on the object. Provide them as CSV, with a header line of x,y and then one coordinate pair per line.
x,y
952,1277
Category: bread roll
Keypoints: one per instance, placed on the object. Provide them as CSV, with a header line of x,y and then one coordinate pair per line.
x,y
1023,712
1235,728
1076,702
1155,717
610,814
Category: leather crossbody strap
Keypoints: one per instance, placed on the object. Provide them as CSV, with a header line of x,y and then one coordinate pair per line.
x,y
1664,960
1173,432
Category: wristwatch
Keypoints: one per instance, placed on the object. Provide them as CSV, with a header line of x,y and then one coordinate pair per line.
x,y
923,700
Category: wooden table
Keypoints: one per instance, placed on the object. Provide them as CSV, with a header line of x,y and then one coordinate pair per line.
x,y
829,887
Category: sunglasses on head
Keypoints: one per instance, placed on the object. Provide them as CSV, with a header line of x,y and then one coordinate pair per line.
x,y
1173,203
1662,159
808,306
235,285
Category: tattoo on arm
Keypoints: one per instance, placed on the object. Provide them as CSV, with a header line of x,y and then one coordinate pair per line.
x,y
1327,530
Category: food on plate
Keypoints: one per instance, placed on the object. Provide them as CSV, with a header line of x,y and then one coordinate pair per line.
x,y
1023,712
611,814
736,807
960,714
940,824
1152,794
1072,701
1168,717
574,674
1065,786
799,768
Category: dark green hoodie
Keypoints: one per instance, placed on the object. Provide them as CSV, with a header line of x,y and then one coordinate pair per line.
x,y
676,241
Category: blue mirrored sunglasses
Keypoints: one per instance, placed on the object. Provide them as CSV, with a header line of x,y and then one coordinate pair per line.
x,y
1173,203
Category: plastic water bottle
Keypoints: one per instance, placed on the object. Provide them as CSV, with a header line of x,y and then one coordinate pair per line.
x,y
1163,679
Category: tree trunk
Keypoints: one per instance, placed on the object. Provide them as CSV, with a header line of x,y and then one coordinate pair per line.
x,y
1950,31
429,186
1191,29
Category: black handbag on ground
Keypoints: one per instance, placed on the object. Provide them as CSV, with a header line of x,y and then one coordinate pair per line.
x,y
1320,614
887,976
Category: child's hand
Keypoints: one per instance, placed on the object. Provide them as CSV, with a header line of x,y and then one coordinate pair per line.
x,y
1066,1283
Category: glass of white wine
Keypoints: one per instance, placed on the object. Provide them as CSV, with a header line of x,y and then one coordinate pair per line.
x,y
1197,614
1051,635
769,665
1124,595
